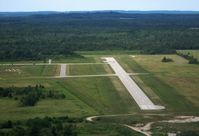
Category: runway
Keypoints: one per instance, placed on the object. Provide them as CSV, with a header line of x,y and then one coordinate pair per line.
x,y
63,70
139,96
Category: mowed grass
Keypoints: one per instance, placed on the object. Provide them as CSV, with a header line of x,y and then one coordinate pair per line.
x,y
89,69
49,107
101,94
108,52
71,105
84,97
82,59
13,71
176,83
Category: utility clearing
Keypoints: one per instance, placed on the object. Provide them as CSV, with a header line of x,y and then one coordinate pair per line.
x,y
139,96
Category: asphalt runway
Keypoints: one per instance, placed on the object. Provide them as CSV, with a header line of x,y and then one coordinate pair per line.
x,y
139,96
63,70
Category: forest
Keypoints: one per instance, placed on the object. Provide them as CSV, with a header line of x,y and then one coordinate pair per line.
x,y
39,36
62,126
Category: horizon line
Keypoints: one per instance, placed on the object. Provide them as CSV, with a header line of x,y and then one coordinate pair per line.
x,y
102,10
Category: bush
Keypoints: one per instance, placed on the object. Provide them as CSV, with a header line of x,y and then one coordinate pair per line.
x,y
19,131
7,124
30,100
189,133
167,59
6,92
193,61
69,130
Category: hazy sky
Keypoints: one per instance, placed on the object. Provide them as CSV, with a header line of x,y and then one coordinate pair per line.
x,y
79,5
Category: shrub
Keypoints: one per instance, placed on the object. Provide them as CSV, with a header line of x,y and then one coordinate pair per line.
x,y
19,131
6,92
189,133
167,59
7,124
29,100
193,61
69,130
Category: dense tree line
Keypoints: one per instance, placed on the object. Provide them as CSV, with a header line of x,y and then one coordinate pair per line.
x,y
62,126
31,52
29,96
39,36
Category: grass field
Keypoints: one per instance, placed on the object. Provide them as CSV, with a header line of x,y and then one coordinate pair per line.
x,y
173,85
84,97
89,69
178,84
173,80
28,71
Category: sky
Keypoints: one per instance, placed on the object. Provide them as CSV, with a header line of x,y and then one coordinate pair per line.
x,y
90,5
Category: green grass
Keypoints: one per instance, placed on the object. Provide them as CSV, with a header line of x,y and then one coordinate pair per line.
x,y
175,83
129,65
84,97
100,94
89,69
169,96
71,105
109,52
105,129
133,119
53,108
165,85
84,59
28,71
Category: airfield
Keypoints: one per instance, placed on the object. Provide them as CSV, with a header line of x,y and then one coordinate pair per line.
x,y
122,85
